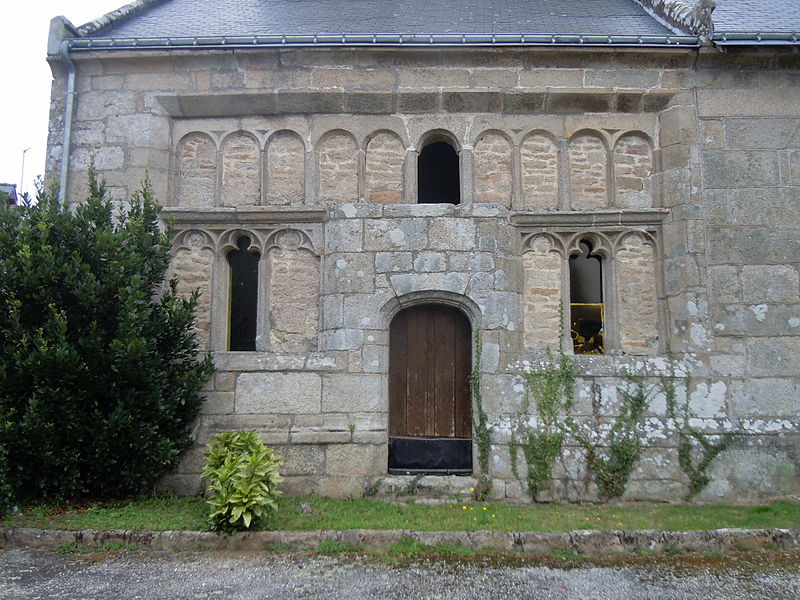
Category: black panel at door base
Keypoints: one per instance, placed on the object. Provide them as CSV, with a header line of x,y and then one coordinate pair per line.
x,y
430,456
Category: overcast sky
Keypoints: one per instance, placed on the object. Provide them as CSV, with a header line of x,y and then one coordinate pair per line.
x,y
26,79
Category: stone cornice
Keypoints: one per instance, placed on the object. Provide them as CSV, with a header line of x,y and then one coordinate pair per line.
x,y
553,101
249,215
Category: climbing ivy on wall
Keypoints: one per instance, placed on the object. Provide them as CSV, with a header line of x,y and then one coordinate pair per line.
x,y
551,387
546,422
483,431
696,451
612,456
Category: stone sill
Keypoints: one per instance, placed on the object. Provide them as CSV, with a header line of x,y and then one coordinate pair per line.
x,y
332,361
250,214
619,217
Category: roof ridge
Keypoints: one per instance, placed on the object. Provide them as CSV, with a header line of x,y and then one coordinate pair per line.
x,y
691,19
116,15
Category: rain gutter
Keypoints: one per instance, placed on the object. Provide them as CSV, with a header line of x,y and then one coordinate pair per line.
x,y
381,40
757,38
68,112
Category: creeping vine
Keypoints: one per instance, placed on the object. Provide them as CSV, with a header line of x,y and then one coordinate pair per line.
x,y
483,431
552,388
613,458
690,440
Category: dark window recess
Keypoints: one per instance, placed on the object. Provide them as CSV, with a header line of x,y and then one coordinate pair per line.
x,y
244,296
438,175
586,301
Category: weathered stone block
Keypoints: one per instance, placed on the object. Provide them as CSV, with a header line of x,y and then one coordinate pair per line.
x,y
523,102
414,282
343,339
503,394
396,234
351,460
433,78
309,102
777,133
354,78
418,102
494,78
354,393
301,460
738,244
770,283
452,234
764,397
772,356
748,103
677,126
545,78
217,403
138,130
579,101
99,105
393,262
362,311
621,78
278,393
431,262
712,134
471,102
349,272
225,382
749,474
343,236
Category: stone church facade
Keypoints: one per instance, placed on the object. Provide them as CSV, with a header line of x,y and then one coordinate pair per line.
x,y
358,213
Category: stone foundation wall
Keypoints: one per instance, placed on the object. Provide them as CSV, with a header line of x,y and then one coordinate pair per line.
x,y
681,167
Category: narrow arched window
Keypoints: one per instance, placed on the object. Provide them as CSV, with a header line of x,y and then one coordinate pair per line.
x,y
438,175
243,296
586,301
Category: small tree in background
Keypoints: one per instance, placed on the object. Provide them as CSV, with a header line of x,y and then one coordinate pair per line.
x,y
100,376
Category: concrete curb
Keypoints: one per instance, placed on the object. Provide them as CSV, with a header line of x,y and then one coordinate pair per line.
x,y
532,543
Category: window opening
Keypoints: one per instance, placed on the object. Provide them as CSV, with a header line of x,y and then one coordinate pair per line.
x,y
243,296
438,175
586,301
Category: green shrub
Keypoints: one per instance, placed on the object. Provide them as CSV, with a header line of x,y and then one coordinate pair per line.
x,y
99,372
243,477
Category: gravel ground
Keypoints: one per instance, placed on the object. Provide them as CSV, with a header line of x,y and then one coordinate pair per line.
x,y
33,574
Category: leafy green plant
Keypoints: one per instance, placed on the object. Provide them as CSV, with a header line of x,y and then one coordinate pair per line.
x,y
100,373
243,476
552,388
612,458
483,431
691,442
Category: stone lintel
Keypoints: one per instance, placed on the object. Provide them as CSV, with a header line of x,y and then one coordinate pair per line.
x,y
258,214
562,101
654,216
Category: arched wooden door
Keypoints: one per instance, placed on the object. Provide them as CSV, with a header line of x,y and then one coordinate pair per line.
x,y
430,358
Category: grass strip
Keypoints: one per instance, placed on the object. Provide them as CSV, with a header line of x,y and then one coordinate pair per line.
x,y
161,514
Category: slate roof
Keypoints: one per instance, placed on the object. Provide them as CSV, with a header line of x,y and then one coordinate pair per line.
x,y
194,18
756,16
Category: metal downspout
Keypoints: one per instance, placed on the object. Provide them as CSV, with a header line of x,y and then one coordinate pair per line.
x,y
68,110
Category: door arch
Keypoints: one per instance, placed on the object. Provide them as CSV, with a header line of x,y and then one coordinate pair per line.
x,y
430,359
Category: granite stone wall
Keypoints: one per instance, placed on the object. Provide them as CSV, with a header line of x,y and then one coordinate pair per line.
x,y
681,167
